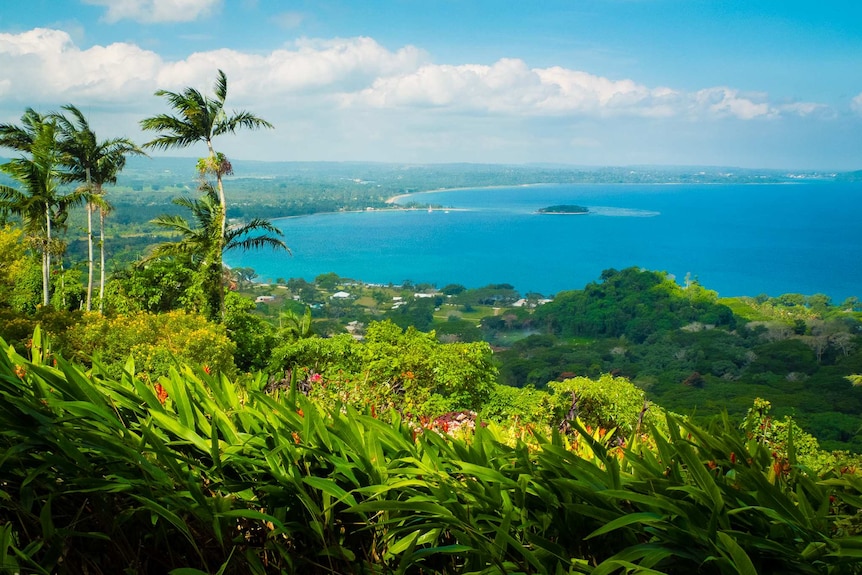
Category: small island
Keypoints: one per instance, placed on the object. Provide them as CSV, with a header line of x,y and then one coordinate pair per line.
x,y
567,209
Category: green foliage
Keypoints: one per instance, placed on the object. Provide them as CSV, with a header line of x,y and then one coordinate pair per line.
x,y
154,286
564,209
197,475
417,313
607,402
456,329
328,281
782,357
633,303
408,369
493,294
155,342
784,437
68,290
20,273
525,405
253,336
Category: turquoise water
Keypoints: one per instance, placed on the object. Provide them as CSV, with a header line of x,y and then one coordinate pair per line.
x,y
736,239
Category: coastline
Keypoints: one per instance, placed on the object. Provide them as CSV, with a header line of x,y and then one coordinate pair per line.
x,y
394,208
394,199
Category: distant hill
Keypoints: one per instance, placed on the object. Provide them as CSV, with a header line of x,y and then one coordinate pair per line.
x,y
406,177
420,177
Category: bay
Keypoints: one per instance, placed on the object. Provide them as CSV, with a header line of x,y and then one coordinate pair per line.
x,y
738,239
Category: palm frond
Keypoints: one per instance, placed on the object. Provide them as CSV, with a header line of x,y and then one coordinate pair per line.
x,y
241,119
256,243
220,87
174,223
21,137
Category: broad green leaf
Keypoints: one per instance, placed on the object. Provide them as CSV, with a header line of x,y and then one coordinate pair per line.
x,y
741,561
625,521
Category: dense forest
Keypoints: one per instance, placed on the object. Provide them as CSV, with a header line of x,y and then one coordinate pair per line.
x,y
162,413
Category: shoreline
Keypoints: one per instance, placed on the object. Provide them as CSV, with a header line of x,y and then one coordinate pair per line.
x,y
394,199
393,208
397,197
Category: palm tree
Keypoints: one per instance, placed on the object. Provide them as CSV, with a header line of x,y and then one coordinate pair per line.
x,y
40,205
94,164
202,243
200,119
295,326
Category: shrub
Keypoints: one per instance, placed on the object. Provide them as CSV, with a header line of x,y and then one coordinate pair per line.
x,y
608,402
409,370
195,475
156,342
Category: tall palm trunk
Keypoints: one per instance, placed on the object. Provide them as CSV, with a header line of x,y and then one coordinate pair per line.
x,y
221,199
216,266
89,243
101,260
46,258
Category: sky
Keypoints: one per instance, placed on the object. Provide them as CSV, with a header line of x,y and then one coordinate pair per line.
x,y
745,83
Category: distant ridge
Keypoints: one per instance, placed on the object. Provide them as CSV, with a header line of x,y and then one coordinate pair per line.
x,y
469,174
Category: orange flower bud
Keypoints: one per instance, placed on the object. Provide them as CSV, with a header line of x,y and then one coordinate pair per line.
x,y
161,392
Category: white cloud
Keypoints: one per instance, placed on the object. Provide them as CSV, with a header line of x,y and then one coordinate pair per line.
x,y
510,86
356,73
46,66
727,102
856,103
151,11
288,20
355,99
322,67
804,108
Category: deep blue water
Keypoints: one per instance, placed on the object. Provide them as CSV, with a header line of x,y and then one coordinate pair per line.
x,y
736,239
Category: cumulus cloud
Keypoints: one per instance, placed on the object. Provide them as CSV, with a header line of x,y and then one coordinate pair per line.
x,y
727,102
331,67
804,108
510,86
152,11
44,65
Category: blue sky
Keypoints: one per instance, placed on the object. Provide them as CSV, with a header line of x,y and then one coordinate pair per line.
x,y
587,82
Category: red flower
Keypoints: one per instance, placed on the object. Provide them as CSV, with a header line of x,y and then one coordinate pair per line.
x,y
161,393
733,457
207,370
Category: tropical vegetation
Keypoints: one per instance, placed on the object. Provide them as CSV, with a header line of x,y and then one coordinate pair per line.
x,y
187,420
199,473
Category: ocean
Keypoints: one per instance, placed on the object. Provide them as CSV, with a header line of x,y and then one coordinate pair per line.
x,y
737,239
